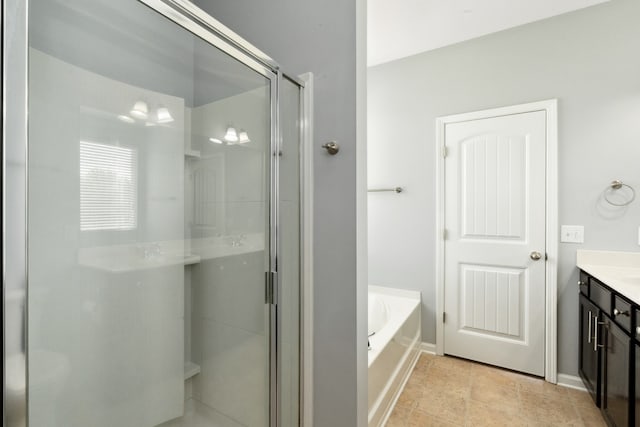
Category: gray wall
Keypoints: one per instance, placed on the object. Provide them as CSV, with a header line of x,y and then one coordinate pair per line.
x,y
588,60
320,37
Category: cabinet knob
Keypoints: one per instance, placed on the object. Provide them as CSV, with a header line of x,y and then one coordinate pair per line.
x,y
617,312
637,330
581,283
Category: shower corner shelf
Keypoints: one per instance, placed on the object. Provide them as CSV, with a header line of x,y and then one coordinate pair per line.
x,y
190,370
192,153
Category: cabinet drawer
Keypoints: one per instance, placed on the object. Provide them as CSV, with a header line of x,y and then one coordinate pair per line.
x,y
600,295
583,283
622,312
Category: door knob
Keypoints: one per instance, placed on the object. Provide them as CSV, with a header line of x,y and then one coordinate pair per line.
x,y
332,147
535,255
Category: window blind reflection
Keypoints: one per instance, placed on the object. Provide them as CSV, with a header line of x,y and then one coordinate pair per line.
x,y
108,175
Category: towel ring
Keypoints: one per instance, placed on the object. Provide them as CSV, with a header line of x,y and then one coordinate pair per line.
x,y
617,185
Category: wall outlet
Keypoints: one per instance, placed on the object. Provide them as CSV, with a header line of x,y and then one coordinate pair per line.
x,y
572,234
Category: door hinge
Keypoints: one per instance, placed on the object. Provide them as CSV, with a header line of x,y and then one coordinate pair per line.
x,y
270,282
444,317
444,234
444,151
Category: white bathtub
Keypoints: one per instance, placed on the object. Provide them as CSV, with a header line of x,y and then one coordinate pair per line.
x,y
394,318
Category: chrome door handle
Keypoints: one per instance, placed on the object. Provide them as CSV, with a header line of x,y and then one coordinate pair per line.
x,y
535,255
332,147
589,335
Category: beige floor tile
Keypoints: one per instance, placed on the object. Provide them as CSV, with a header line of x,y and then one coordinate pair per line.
x,y
410,397
591,416
420,418
580,398
447,391
554,412
399,416
483,415
444,406
501,398
539,386
493,377
452,363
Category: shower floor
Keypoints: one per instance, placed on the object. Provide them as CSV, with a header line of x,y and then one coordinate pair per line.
x,y
197,414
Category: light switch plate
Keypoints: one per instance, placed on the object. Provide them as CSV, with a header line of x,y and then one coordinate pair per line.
x,y
572,234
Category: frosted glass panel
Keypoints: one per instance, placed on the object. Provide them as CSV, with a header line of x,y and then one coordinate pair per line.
x,y
148,225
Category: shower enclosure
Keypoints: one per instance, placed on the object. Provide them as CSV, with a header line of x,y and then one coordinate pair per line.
x,y
161,233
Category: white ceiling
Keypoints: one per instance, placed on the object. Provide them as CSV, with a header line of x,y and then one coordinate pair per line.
x,y
400,28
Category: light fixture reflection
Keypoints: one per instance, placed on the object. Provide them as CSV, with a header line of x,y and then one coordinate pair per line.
x,y
231,135
243,137
163,115
126,118
140,110
215,140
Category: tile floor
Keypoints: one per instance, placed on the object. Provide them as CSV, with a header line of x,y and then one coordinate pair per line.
x,y
446,391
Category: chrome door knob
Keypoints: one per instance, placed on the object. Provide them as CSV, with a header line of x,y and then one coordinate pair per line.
x,y
332,147
535,255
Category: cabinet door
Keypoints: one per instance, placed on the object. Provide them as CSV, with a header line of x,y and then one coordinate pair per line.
x,y
615,402
589,356
637,390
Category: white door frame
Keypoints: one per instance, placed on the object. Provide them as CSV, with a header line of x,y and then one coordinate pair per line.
x,y
550,107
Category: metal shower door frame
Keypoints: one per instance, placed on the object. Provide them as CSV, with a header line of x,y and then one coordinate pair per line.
x,y
15,38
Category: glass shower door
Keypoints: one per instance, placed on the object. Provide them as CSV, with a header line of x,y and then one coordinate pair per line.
x,y
149,222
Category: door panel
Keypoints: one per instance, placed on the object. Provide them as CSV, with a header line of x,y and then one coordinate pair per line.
x,y
495,219
491,300
147,221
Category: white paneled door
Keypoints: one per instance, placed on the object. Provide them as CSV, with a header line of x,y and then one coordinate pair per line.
x,y
495,241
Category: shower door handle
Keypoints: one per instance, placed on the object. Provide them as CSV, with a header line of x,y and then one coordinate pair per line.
x,y
270,287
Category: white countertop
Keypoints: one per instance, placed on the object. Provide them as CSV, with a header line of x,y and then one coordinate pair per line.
x,y
618,270
148,255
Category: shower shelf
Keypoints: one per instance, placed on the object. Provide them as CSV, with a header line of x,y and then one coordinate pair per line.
x,y
190,370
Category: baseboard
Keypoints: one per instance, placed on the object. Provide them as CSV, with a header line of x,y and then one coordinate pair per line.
x,y
427,347
571,381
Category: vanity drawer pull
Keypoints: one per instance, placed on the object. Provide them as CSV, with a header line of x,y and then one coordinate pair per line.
x,y
622,313
617,312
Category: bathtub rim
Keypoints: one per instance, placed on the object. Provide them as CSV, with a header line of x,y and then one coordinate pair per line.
x,y
391,330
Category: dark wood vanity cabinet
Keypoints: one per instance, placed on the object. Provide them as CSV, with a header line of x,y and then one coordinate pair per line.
x,y
637,383
609,351
616,376
589,354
